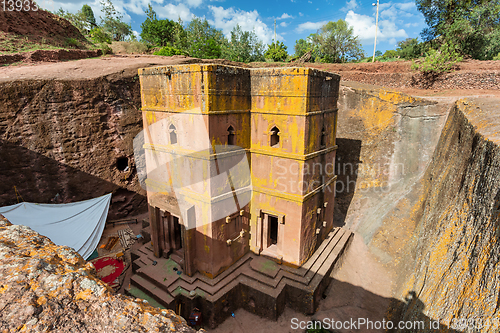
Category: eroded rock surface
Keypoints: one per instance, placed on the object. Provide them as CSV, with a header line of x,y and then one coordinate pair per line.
x,y
45,287
454,262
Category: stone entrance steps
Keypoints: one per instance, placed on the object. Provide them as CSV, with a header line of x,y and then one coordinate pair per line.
x,y
255,283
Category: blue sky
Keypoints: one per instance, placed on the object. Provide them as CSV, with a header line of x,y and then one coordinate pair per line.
x,y
295,19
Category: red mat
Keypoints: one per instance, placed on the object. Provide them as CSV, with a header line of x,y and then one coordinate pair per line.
x,y
108,268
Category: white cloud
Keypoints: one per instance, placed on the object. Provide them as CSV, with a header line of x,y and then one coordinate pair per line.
x,y
120,8
410,25
391,12
191,3
173,12
364,27
283,24
137,6
136,34
227,19
350,5
407,6
399,9
73,6
284,17
310,26
300,14
70,6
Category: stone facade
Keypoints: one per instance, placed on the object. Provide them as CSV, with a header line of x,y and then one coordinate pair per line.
x,y
238,160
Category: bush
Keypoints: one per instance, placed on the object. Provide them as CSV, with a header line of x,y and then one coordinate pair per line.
x,y
169,51
390,54
497,57
440,61
105,48
99,36
206,49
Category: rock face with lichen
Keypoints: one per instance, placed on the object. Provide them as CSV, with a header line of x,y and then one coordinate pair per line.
x,y
454,263
45,287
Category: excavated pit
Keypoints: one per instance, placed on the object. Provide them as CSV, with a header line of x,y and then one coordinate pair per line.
x,y
418,182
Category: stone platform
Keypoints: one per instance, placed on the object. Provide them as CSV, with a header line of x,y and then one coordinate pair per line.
x,y
255,283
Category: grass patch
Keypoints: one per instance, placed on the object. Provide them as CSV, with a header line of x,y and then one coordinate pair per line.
x,y
11,43
73,42
379,59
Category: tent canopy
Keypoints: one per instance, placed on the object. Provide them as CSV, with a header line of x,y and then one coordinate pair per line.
x,y
78,225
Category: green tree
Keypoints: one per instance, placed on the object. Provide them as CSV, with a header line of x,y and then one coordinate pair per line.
x,y
389,54
410,48
156,32
99,36
471,25
203,40
78,20
89,16
244,46
337,43
112,22
179,36
276,51
302,46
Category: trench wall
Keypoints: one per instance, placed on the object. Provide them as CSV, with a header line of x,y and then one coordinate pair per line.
x,y
424,193
452,270
60,141
386,140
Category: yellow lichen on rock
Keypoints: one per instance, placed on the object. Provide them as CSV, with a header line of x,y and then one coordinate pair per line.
x,y
46,287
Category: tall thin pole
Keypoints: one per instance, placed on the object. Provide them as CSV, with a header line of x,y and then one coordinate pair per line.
x,y
376,28
274,33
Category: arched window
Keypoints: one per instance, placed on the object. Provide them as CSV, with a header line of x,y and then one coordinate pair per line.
x,y
275,137
230,136
323,137
173,134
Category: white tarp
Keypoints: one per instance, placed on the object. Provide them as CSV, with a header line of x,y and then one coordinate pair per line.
x,y
78,225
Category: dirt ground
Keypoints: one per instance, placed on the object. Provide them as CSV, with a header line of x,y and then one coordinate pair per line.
x,y
84,69
117,64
